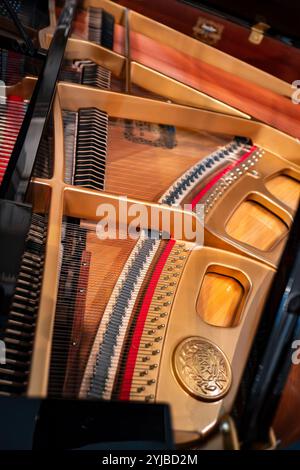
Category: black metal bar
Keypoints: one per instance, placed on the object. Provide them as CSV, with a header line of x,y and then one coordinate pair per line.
x,y
17,176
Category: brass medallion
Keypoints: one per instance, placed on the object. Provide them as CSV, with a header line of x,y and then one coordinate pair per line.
x,y
202,369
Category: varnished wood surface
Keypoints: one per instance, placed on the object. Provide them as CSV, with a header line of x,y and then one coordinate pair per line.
x,y
263,104
286,189
253,224
219,300
272,55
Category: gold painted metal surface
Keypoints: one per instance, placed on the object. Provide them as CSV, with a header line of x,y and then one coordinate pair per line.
x,y
281,154
76,202
193,47
160,306
80,49
24,89
202,369
80,202
177,92
247,271
285,188
191,414
73,96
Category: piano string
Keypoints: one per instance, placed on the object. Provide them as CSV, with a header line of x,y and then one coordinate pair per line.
x,y
12,112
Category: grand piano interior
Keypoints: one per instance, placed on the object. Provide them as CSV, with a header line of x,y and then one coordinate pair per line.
x,y
195,341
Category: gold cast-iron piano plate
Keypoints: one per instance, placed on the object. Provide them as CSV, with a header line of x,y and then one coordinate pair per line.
x,y
76,202
72,97
189,414
281,155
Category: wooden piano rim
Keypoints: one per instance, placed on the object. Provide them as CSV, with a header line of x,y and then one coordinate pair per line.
x,y
71,96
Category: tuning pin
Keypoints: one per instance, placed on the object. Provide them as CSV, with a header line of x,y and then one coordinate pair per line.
x,y
149,397
155,352
151,382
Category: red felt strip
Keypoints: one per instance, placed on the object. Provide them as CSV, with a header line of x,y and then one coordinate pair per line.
x,y
219,175
136,339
